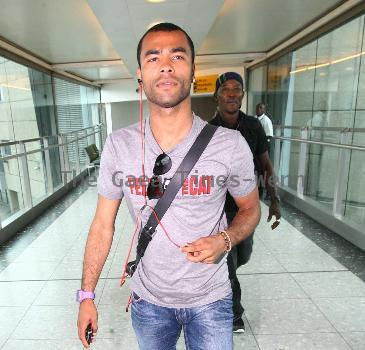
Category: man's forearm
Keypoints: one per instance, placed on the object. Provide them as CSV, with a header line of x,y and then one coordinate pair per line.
x,y
243,224
270,183
269,175
97,249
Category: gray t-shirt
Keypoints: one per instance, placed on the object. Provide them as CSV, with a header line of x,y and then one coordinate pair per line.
x,y
164,276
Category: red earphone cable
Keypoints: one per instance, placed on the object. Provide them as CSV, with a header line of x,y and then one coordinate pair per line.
x,y
164,230
124,275
138,219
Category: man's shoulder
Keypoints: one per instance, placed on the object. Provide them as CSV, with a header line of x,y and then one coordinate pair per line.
x,y
232,134
126,132
267,119
221,131
226,136
214,121
250,122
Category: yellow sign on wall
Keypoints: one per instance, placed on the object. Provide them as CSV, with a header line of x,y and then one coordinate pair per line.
x,y
205,84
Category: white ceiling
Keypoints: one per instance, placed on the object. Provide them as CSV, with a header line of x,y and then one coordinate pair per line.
x,y
97,71
57,31
258,25
126,21
97,39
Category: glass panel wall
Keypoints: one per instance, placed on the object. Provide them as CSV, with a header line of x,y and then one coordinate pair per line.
x,y
11,184
77,108
355,207
28,110
256,93
319,91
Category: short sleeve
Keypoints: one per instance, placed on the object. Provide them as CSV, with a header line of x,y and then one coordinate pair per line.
x,y
108,185
262,145
241,180
269,127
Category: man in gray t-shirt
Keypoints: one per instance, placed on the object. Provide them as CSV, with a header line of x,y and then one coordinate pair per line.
x,y
182,280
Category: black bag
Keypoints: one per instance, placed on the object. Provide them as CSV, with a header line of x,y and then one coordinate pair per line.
x,y
172,189
243,250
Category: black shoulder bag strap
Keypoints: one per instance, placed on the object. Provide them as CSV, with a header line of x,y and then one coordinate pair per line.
x,y
172,189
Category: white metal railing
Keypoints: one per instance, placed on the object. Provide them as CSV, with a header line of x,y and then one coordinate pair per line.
x,y
69,172
344,147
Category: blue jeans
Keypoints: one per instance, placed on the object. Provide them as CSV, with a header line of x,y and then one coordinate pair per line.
x,y
207,327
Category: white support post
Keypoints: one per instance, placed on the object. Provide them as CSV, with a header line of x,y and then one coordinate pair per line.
x,y
25,173
66,159
340,183
62,160
302,163
48,166
93,141
277,151
65,165
77,156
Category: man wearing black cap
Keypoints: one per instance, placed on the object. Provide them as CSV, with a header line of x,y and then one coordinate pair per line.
x,y
229,94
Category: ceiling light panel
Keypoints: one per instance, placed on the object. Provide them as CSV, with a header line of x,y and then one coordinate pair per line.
x,y
144,13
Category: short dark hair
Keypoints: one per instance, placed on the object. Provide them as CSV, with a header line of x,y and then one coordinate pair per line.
x,y
165,27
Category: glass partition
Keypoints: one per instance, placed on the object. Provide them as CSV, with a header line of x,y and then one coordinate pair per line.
x,y
34,109
11,186
256,93
318,91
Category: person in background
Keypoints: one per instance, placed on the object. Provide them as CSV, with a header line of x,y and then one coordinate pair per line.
x,y
229,94
265,121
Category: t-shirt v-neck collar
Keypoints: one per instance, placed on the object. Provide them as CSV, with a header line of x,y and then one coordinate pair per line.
x,y
180,148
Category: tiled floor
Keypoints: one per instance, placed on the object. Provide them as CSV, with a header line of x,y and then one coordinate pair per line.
x,y
296,295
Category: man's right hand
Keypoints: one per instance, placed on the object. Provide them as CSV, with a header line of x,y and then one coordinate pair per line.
x,y
87,314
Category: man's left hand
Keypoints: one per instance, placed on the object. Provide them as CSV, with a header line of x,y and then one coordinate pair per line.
x,y
274,210
205,250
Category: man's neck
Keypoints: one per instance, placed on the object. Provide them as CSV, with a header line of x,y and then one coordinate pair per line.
x,y
229,119
170,126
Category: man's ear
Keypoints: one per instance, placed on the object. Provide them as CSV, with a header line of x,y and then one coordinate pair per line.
x,y
193,73
139,73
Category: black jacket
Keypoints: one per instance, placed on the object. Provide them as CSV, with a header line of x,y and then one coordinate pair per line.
x,y
252,130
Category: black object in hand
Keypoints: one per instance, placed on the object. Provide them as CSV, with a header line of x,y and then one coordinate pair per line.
x,y
275,224
131,267
89,334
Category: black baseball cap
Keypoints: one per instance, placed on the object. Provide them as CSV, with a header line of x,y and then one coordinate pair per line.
x,y
227,76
